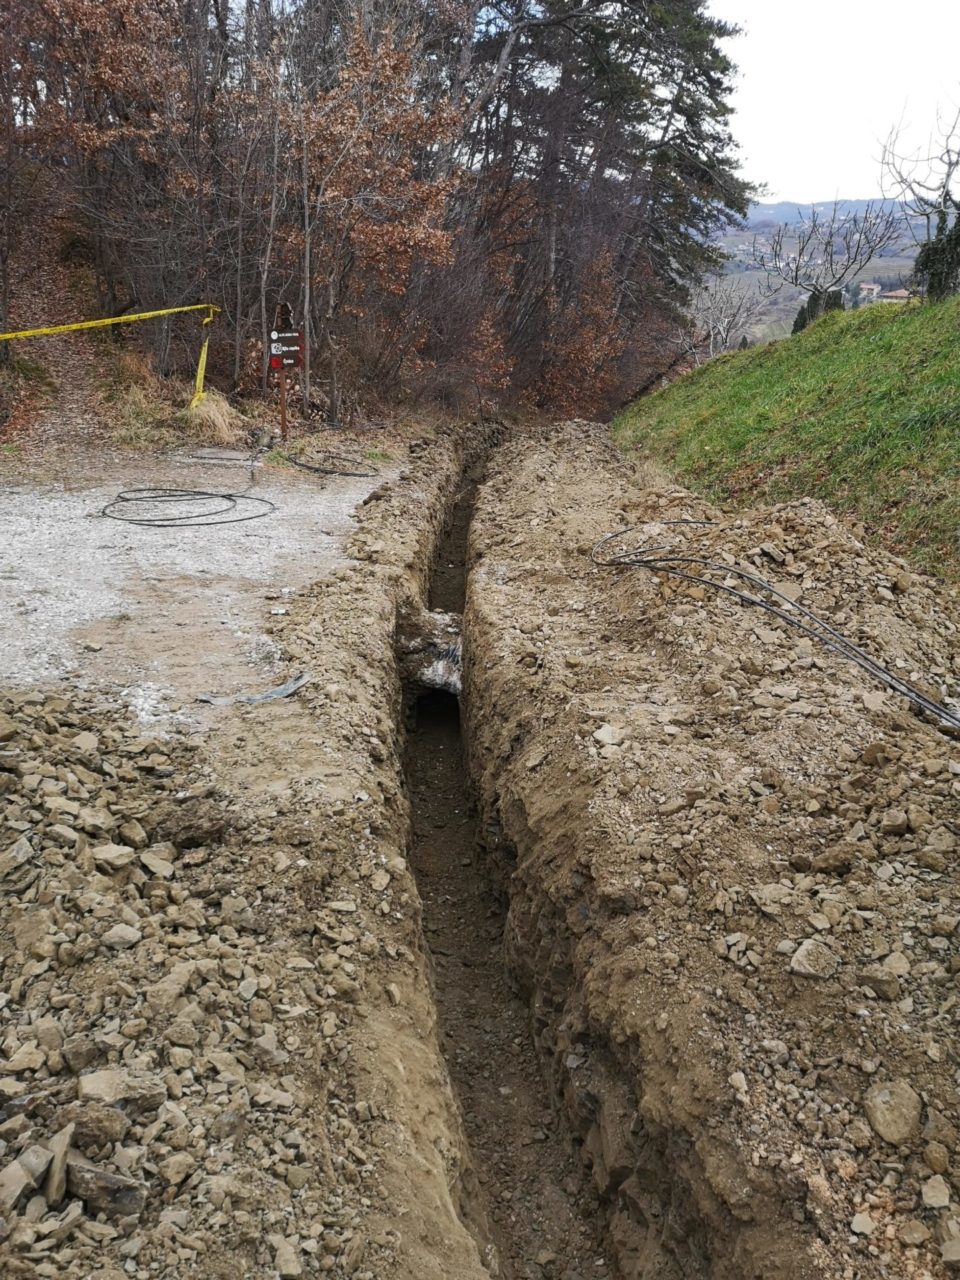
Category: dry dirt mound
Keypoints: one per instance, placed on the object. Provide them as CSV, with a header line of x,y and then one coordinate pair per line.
x,y
732,859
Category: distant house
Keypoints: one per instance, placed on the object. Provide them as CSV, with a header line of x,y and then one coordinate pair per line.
x,y
895,295
870,291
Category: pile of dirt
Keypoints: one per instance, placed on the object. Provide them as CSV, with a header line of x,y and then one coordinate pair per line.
x,y
219,1054
732,865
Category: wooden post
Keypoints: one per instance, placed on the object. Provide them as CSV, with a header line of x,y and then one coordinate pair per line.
x,y
283,404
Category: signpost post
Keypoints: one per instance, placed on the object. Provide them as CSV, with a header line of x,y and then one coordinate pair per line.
x,y
286,352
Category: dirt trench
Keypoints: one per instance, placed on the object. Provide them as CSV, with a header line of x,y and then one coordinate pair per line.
x,y
534,1211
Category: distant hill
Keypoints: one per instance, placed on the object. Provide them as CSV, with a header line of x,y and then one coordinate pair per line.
x,y
861,409
789,211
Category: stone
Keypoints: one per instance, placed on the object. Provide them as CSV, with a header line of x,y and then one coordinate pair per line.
x,y
286,1258
132,834
94,1124
838,861
122,936
102,1191
894,822
159,866
609,735
863,1225
19,853
114,1085
880,980
935,1192
27,1058
176,1168
939,1129
914,1233
86,742
813,959
55,1186
112,857
36,1161
14,1183
8,727
950,1254
893,1110
936,1157
897,964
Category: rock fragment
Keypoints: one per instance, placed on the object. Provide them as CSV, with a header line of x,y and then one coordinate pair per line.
x,y
813,959
893,1110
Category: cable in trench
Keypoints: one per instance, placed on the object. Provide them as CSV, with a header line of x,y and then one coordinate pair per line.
x,y
663,559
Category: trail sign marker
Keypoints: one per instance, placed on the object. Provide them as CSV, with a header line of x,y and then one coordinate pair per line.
x,y
286,348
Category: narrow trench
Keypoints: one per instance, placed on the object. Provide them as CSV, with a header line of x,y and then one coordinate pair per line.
x,y
540,1207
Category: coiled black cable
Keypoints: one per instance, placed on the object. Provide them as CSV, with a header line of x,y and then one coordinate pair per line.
x,y
151,507
663,559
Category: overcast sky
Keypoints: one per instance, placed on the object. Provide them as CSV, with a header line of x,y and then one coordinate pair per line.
x,y
822,81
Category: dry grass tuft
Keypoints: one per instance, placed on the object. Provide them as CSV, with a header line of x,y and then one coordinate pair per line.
x,y
150,412
214,421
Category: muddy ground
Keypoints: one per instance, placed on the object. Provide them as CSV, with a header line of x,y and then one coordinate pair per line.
x,y
638,962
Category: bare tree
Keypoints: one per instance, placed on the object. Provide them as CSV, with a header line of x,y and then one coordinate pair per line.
x,y
721,311
923,181
825,250
928,189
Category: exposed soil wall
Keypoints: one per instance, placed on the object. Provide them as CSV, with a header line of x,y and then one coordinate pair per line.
x,y
730,862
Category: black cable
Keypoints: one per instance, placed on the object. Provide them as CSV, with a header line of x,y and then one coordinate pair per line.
x,y
132,507
334,470
661,559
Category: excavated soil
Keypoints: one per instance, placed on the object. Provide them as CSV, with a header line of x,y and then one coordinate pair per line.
x,y
731,865
641,963
218,1039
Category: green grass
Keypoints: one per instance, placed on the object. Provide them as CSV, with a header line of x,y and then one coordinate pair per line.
x,y
378,455
862,409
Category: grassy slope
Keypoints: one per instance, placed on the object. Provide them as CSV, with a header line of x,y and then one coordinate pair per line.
x,y
862,409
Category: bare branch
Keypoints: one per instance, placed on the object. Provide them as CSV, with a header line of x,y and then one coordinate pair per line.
x,y
823,251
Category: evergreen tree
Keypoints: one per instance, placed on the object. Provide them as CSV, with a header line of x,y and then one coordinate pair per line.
x,y
833,301
937,268
800,323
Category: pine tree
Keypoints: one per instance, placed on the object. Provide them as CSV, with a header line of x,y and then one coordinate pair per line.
x,y
800,323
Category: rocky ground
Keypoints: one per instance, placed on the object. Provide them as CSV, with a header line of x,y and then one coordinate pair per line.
x,y
218,1042
732,865
714,862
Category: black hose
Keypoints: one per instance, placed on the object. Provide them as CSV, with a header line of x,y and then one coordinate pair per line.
x,y
661,559
334,470
132,506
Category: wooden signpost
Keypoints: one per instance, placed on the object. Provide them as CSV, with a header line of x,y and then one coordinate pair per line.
x,y
286,352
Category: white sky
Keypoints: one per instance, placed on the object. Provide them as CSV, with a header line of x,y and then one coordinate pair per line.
x,y
821,82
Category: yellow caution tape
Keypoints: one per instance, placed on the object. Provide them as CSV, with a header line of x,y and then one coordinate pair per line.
x,y
210,309
103,324
202,362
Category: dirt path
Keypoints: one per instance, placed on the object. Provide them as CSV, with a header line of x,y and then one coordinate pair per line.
x,y
165,614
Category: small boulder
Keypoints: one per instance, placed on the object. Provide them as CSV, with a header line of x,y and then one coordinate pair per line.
x,y
893,1110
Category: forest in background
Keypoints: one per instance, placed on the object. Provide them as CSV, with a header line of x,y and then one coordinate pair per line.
x,y
456,199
